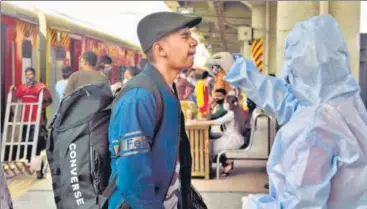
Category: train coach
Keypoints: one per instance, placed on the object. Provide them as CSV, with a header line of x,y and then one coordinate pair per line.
x,y
47,40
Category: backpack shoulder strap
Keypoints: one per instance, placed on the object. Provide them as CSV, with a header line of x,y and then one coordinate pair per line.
x,y
143,81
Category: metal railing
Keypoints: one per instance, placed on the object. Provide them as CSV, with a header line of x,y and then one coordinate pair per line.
x,y
17,141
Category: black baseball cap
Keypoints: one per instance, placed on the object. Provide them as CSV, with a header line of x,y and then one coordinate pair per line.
x,y
155,26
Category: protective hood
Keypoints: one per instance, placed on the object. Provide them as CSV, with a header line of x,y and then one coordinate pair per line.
x,y
317,61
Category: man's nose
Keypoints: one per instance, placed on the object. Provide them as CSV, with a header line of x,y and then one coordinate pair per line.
x,y
194,43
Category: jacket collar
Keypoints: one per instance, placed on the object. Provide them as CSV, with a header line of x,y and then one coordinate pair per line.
x,y
154,74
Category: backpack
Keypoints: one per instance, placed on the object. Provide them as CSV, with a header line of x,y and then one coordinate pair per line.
x,y
77,148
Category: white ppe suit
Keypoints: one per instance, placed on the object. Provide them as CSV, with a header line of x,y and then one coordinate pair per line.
x,y
319,157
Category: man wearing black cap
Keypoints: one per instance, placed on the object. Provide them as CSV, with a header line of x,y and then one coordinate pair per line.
x,y
154,170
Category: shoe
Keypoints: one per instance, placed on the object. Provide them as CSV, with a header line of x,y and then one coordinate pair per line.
x,y
211,173
228,169
266,186
39,174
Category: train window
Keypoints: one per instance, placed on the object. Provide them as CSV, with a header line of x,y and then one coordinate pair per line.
x,y
27,49
26,57
60,53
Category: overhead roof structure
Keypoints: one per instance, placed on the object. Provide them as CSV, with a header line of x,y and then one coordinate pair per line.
x,y
221,19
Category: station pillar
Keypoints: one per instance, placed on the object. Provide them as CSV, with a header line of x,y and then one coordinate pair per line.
x,y
348,14
288,14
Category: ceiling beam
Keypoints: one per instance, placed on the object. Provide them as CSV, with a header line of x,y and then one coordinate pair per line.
x,y
233,21
211,6
208,32
219,10
248,4
215,19
220,42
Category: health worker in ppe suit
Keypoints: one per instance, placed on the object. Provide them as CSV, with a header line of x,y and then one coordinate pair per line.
x,y
319,157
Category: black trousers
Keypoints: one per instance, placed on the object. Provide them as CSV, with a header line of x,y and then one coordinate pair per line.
x,y
223,160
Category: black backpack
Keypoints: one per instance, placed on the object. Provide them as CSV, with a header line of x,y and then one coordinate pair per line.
x,y
77,149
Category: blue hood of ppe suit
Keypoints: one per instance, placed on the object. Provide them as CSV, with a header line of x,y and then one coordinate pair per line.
x,y
317,61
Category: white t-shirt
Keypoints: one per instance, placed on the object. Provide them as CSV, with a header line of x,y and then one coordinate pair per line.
x,y
60,88
174,191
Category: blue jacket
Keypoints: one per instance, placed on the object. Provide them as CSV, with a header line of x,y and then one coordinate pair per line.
x,y
144,173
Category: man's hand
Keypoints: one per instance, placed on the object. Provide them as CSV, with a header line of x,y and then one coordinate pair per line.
x,y
223,59
117,85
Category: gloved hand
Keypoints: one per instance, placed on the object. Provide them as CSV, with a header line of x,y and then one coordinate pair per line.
x,y
223,59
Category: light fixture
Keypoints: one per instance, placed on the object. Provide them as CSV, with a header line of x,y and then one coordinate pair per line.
x,y
185,10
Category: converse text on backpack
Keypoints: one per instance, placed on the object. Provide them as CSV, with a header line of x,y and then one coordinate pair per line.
x,y
74,175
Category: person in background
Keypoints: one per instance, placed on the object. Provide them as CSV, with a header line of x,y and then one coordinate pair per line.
x,y
202,94
154,171
61,84
318,158
217,110
105,68
219,82
105,65
232,138
184,87
211,84
191,78
217,104
29,93
87,73
142,64
130,72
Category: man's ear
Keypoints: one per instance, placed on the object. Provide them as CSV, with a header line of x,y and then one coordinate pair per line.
x,y
160,48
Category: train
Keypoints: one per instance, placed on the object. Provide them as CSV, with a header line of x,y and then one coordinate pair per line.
x,y
46,41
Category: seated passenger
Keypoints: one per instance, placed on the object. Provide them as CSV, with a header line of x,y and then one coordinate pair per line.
x,y
217,104
217,110
318,159
234,126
